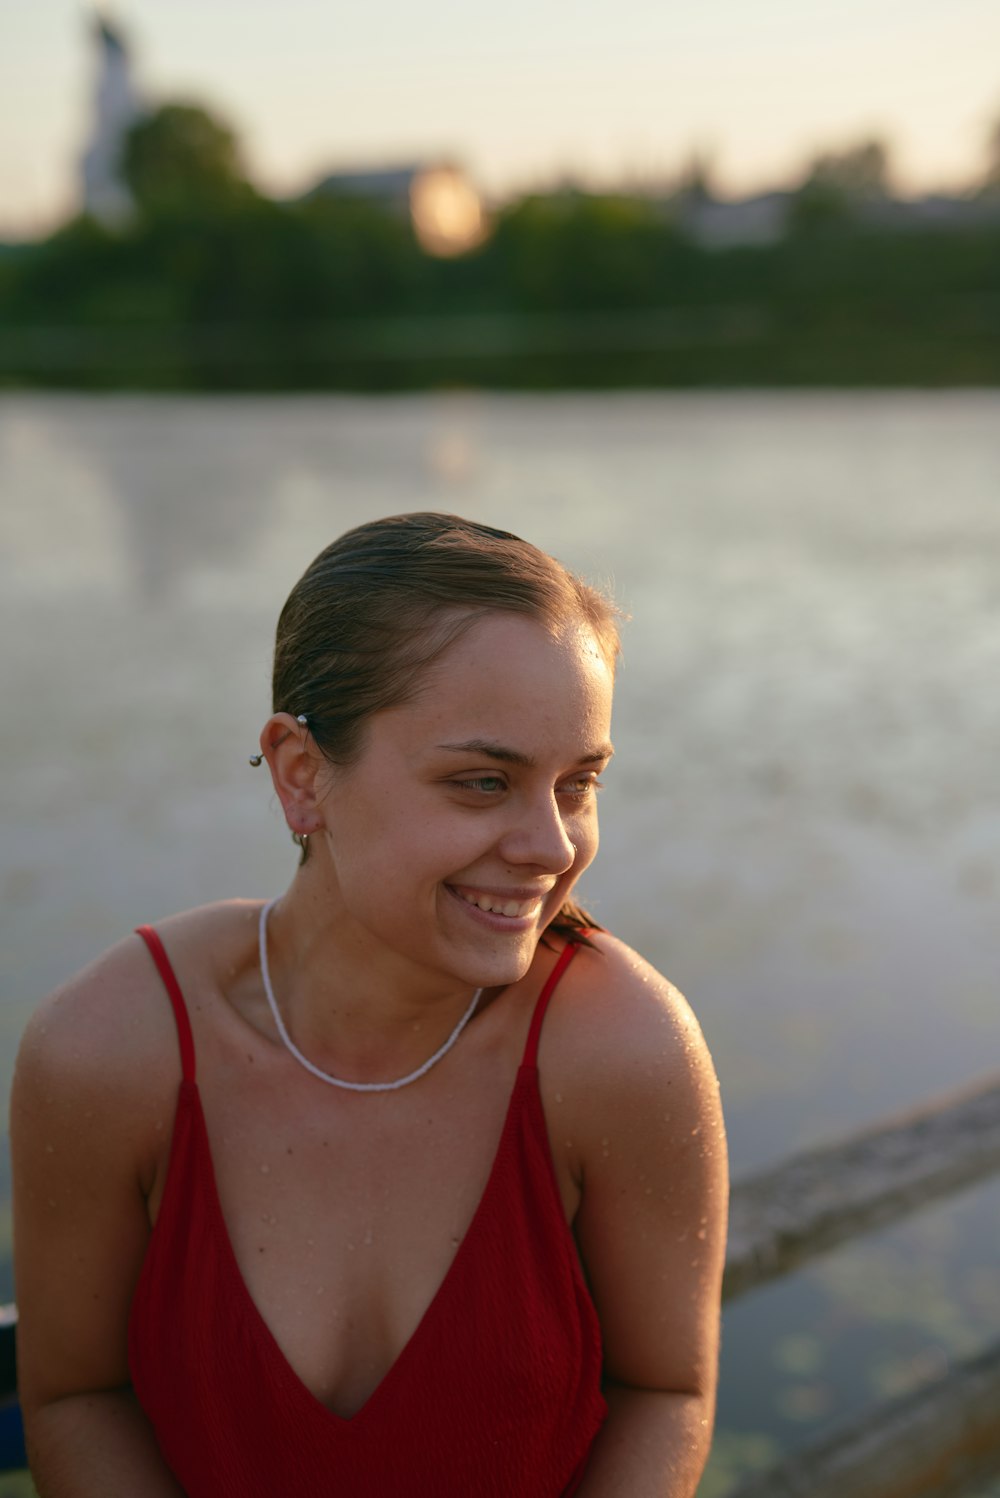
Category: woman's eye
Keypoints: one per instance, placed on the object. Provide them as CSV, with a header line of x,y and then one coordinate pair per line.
x,y
581,787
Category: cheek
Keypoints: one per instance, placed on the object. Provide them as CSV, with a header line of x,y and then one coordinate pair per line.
x,y
400,845
583,831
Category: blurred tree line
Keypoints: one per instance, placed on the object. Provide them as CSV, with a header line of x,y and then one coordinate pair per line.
x,y
211,285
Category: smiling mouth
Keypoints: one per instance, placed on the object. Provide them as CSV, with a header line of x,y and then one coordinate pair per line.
x,y
496,905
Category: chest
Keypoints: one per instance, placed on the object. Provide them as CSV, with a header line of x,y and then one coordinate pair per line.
x,y
345,1213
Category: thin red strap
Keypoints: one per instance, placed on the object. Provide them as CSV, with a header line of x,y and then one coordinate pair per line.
x,y
566,956
184,1037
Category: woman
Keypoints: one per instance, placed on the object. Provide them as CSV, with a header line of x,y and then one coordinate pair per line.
x,y
412,1182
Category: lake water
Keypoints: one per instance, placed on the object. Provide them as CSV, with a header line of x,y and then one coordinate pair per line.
x,y
803,823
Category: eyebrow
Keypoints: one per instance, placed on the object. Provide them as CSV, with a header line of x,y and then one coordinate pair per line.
x,y
516,756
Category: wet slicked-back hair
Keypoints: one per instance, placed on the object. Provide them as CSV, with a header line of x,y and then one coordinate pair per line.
x,y
377,608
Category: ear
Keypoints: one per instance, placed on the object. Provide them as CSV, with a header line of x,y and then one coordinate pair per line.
x,y
296,767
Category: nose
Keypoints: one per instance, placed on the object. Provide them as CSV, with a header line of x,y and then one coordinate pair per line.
x,y
538,837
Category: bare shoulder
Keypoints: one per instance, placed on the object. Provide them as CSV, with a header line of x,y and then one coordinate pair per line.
x,y
621,1020
104,1022
109,1032
625,1061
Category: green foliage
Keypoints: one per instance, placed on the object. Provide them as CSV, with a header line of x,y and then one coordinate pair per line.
x,y
211,286
182,161
858,173
820,207
837,186
577,252
991,179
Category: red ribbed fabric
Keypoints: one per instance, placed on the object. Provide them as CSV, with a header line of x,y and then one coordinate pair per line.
x,y
496,1395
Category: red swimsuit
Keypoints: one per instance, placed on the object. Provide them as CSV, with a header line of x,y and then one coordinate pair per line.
x,y
496,1395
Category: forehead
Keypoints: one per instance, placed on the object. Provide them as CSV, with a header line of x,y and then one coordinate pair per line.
x,y
511,676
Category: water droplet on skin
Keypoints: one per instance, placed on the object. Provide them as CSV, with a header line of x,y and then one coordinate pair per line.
x,y
350,1248
369,1238
265,1169
559,1097
309,1243
50,1149
649,1190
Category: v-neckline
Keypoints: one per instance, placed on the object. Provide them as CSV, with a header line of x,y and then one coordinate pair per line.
x,y
526,1075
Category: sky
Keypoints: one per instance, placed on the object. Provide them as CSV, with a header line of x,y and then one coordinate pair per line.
x,y
523,94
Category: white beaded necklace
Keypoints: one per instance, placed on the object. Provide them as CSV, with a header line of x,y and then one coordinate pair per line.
x,y
325,1076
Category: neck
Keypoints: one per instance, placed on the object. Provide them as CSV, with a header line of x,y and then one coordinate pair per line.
x,y
355,1008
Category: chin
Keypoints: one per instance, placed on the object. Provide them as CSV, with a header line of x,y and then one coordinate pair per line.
x,y
500,969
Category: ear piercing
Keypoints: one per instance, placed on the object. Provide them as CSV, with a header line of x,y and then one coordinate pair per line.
x,y
255,759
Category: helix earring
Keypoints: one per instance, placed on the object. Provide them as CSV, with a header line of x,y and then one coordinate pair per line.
x,y
256,759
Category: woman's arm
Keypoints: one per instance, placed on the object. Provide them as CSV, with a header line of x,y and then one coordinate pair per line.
x,y
651,1228
96,1444
87,1109
652,1445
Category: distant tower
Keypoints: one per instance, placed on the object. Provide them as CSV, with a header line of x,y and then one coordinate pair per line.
x,y
117,107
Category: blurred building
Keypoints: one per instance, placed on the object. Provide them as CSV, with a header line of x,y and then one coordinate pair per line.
x,y
442,203
939,211
117,105
765,219
718,224
440,200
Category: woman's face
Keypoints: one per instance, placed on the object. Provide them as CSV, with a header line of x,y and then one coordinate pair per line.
x,y
460,831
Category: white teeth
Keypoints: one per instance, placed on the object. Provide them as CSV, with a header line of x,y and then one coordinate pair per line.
x,y
510,908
